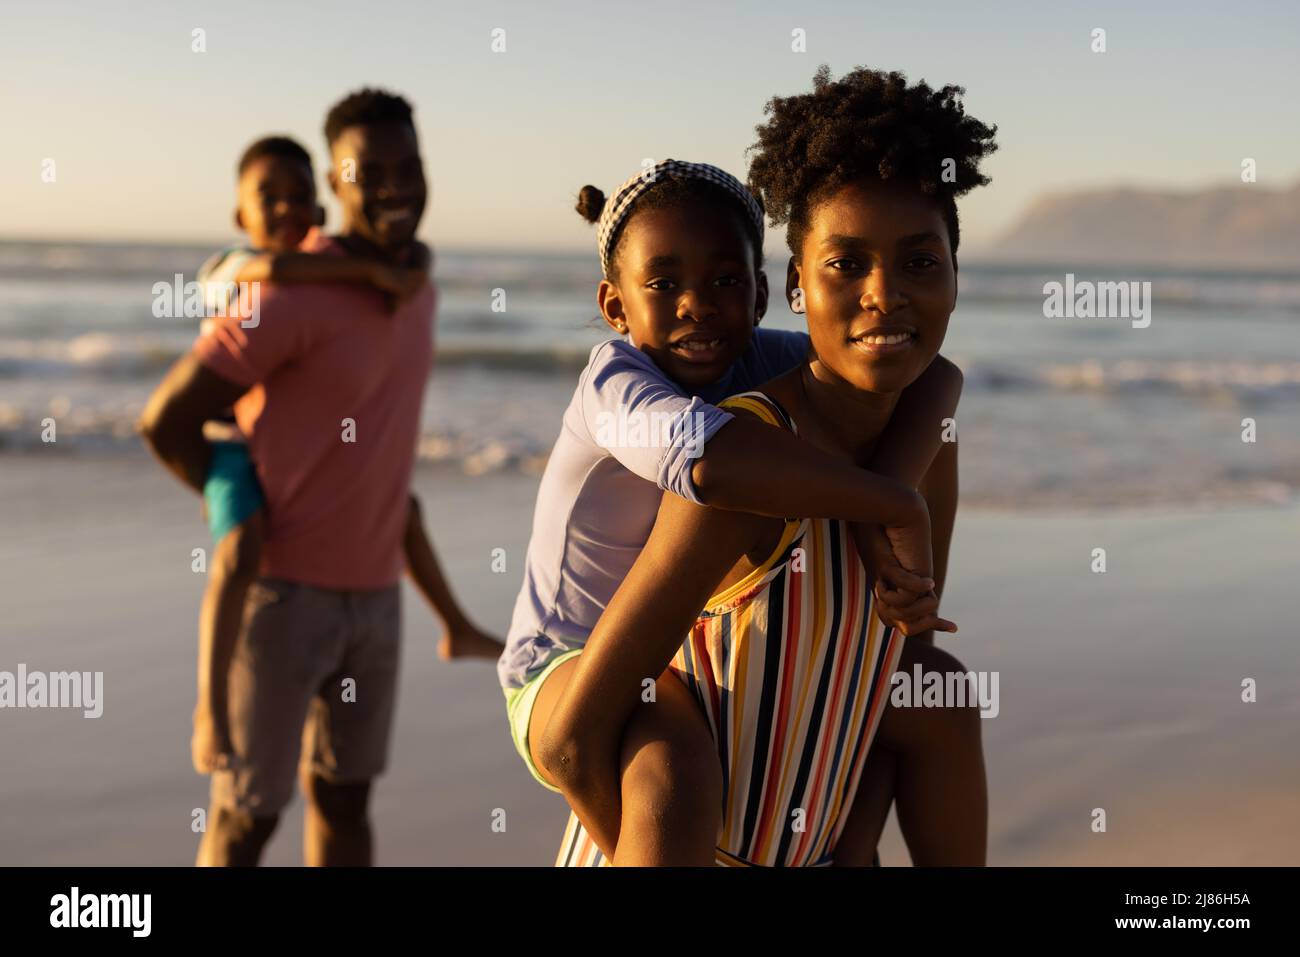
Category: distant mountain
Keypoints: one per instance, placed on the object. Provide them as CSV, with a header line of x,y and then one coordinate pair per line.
x,y
1247,226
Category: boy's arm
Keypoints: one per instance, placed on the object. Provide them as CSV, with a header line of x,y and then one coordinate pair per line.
x,y
418,256
399,283
309,268
690,551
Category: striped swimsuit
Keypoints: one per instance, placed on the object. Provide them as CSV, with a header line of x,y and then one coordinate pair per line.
x,y
792,668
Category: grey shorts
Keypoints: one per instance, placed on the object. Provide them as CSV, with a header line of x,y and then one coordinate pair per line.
x,y
313,685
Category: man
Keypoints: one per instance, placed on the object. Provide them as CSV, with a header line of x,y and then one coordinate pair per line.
x,y
327,386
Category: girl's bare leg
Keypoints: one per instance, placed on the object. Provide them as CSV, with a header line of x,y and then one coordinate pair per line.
x,y
671,784
671,779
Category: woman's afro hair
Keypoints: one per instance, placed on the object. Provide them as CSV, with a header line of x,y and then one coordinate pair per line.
x,y
867,124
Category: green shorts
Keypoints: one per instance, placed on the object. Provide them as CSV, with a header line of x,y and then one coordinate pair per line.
x,y
519,708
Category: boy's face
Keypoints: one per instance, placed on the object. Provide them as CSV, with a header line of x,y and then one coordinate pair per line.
x,y
277,203
378,177
686,293
878,283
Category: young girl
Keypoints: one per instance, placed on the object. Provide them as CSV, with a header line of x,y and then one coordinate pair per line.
x,y
277,209
680,248
786,657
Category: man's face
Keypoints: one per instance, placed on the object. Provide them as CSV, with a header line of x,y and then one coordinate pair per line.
x,y
378,177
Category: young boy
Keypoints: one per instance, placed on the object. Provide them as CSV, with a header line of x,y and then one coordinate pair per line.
x,y
277,210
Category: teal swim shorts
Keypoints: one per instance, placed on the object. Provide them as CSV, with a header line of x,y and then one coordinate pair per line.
x,y
232,492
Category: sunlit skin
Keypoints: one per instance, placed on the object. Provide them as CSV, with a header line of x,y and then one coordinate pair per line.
x,y
686,274
277,203
383,202
875,257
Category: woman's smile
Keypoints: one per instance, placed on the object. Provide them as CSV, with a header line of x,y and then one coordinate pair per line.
x,y
880,342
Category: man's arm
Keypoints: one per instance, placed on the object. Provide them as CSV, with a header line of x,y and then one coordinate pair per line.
x,y
172,422
426,571
462,637
690,551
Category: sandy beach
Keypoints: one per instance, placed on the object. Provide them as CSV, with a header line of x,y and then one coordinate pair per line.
x,y
1119,691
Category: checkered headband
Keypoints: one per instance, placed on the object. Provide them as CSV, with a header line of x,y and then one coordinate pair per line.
x,y
619,206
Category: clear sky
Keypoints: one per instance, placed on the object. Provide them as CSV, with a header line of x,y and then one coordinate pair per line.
x,y
145,133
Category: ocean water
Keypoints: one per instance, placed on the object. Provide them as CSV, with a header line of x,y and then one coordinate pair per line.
x,y
1054,412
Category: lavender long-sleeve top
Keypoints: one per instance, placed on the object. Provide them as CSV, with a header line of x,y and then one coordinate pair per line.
x,y
629,434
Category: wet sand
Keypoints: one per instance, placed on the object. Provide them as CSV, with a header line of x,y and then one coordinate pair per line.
x,y
1119,691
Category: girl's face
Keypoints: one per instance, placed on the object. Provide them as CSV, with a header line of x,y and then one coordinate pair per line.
x,y
878,284
687,293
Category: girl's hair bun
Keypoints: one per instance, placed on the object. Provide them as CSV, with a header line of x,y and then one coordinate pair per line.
x,y
590,202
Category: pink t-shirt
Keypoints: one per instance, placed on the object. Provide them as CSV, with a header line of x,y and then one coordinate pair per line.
x,y
332,419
